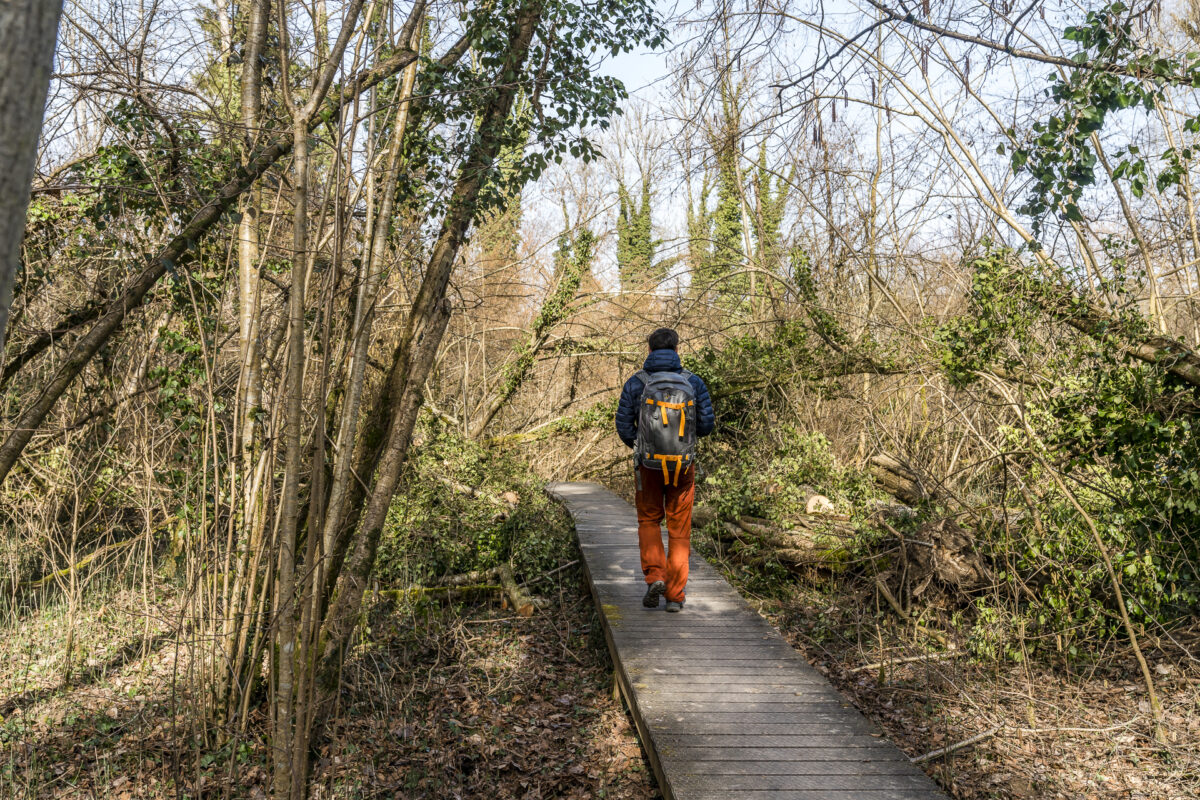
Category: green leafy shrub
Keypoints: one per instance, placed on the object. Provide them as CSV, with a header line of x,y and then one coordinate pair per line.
x,y
773,478
1121,432
452,516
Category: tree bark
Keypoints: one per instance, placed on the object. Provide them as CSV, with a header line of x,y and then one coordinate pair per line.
x,y
289,781
246,528
27,32
249,380
521,602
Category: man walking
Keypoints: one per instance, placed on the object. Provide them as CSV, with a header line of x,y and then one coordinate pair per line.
x,y
663,410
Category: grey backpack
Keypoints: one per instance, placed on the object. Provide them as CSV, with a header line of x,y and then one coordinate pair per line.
x,y
666,433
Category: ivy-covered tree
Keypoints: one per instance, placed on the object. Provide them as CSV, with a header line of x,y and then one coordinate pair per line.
x,y
635,240
723,227
699,223
770,198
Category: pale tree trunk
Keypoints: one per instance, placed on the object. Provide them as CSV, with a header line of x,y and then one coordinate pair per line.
x,y
246,530
27,32
224,29
248,257
289,739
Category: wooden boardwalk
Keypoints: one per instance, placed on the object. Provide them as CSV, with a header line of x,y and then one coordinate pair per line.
x,y
725,707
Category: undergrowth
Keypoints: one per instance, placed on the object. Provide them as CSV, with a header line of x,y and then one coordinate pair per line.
x,y
463,508
1048,593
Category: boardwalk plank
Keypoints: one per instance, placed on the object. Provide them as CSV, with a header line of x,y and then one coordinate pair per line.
x,y
725,707
816,737
784,766
816,794
875,751
685,784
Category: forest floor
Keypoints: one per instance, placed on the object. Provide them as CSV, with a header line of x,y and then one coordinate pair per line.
x,y
440,702
471,701
1063,730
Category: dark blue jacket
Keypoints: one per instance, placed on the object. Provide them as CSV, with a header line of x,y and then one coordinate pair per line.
x,y
631,396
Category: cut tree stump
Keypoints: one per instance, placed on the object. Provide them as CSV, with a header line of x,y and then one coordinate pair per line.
x,y
517,598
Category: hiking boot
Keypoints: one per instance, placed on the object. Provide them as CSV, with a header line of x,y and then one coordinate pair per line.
x,y
653,592
674,606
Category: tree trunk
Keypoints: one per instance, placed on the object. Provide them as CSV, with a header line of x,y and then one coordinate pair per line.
x,y
248,488
249,380
412,361
27,32
289,781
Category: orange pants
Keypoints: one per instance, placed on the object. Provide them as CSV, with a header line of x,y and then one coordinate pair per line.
x,y
655,501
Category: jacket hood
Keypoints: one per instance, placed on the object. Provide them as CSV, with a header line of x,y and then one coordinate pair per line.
x,y
663,361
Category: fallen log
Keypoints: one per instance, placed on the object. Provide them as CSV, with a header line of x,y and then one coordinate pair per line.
x,y
944,551
819,504
412,593
815,502
507,500
899,480
778,537
793,548
702,516
881,510
475,576
517,598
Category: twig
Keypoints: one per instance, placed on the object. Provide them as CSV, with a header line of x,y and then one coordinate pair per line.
x,y
954,748
1108,729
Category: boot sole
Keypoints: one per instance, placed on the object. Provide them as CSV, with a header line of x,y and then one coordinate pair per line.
x,y
653,593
